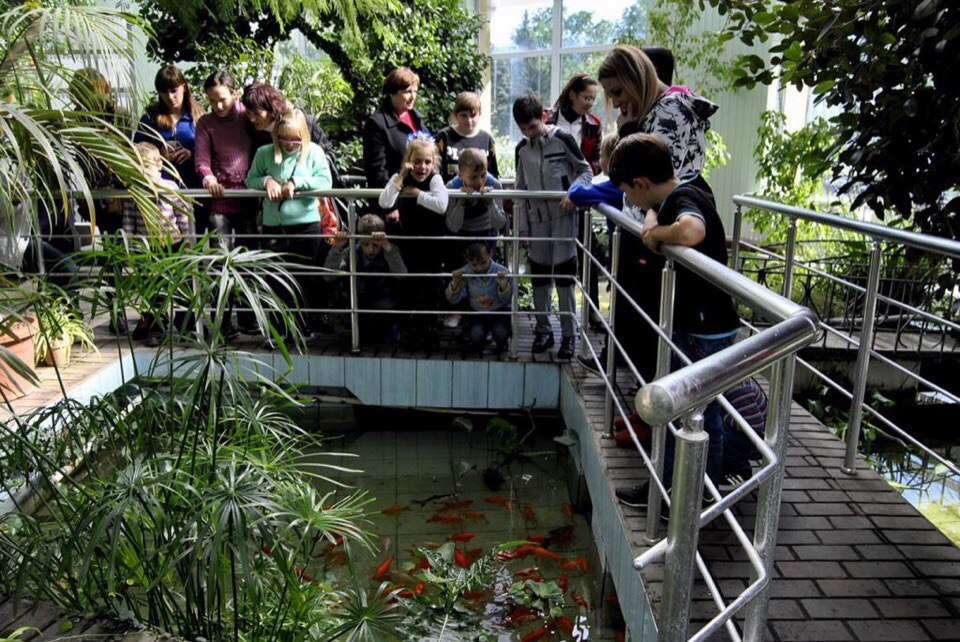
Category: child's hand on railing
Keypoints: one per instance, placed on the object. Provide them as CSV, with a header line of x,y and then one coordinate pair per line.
x,y
567,205
502,281
457,279
213,186
380,238
274,191
340,240
288,190
410,191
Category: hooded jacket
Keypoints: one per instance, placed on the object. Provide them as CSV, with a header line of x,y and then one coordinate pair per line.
x,y
552,162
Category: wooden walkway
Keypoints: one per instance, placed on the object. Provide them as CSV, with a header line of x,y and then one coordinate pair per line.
x,y
47,623
854,561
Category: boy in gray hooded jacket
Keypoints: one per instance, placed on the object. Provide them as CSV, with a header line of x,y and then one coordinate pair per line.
x,y
549,159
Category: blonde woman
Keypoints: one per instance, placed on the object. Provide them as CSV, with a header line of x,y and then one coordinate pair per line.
x,y
291,223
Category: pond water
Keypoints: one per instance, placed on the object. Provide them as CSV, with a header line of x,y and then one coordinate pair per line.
x,y
427,473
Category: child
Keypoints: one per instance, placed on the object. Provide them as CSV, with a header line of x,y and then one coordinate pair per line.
x,y
474,216
491,292
549,159
376,255
291,224
465,134
173,225
421,214
704,318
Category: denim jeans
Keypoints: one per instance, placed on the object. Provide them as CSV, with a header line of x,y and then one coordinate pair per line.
x,y
696,349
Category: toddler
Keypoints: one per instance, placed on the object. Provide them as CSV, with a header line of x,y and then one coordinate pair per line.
x,y
489,290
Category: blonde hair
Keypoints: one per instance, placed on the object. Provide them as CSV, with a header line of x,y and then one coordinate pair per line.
x,y
149,154
293,121
636,74
472,158
420,143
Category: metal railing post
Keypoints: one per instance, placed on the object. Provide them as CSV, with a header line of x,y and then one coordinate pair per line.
x,y
611,365
684,529
863,361
659,436
788,263
769,493
515,297
198,322
352,262
735,241
585,280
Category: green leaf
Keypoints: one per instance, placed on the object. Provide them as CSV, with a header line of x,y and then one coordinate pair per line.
x,y
65,626
824,86
763,17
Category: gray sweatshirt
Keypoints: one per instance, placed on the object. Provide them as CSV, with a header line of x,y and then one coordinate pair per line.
x,y
553,162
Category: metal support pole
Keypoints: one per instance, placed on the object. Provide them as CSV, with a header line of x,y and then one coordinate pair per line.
x,y
863,361
664,356
198,321
352,262
735,241
585,280
789,254
768,496
515,297
611,365
680,563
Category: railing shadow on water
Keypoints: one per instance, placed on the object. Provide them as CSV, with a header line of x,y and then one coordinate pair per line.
x,y
671,395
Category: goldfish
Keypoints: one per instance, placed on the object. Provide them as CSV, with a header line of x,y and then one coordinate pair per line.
x,y
506,556
537,551
536,635
579,563
383,570
474,516
561,624
302,574
530,515
445,519
337,558
395,510
462,537
497,500
567,510
579,601
419,588
613,599
518,615
562,582
449,506
527,572
460,559
537,539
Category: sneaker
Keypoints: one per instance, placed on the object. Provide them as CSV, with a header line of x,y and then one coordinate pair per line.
x,y
567,344
635,496
588,363
452,321
542,341
732,481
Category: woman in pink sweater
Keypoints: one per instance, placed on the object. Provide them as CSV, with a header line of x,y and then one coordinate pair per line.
x,y
223,153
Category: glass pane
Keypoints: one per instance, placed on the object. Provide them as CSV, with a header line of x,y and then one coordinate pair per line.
x,y
514,77
587,22
521,25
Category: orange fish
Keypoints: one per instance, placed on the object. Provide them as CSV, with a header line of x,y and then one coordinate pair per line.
x,y
527,572
562,582
395,510
497,500
337,558
536,635
530,515
518,615
462,537
538,551
445,519
474,554
613,599
419,588
506,556
621,636
537,539
474,516
578,599
383,570
460,559
579,563
302,574
567,509
561,624
449,506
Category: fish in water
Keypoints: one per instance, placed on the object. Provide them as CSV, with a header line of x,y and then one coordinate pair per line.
x,y
383,570
538,539
518,615
449,506
561,623
474,554
462,537
530,515
560,535
567,510
538,551
445,519
432,498
395,510
536,635
579,563
579,601
497,500
562,582
474,516
527,572
460,559
302,574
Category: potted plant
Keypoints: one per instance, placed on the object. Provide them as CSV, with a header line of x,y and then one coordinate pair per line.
x,y
61,325
17,354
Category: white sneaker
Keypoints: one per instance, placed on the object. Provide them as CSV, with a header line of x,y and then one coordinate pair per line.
x,y
452,321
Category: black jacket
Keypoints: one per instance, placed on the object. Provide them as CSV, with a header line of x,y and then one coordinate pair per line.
x,y
384,143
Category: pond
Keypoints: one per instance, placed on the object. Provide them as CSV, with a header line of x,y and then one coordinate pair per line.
x,y
432,476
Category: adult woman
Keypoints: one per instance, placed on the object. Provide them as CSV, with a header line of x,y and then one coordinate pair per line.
x,y
571,113
170,123
386,131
